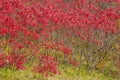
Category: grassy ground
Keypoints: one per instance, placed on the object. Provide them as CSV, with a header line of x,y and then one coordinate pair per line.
x,y
67,74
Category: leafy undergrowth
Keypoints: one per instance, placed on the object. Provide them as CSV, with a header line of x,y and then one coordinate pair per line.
x,y
67,74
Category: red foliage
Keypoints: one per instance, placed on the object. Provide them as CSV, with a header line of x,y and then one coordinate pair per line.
x,y
40,18
58,46
47,65
16,60
23,22
73,62
2,60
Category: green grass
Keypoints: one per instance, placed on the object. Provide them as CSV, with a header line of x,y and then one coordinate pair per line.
x,y
70,73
